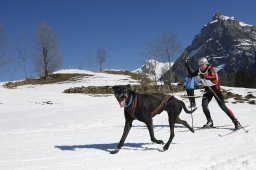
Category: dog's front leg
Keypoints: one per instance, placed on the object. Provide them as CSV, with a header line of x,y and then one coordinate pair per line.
x,y
151,132
127,127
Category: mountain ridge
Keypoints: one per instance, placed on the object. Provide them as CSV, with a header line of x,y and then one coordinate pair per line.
x,y
224,41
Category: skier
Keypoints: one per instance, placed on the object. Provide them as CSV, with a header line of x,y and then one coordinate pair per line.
x,y
190,83
209,79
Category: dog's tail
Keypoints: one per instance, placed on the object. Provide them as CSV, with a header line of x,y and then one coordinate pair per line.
x,y
185,108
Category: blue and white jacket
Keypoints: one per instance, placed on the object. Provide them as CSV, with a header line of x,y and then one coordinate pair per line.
x,y
190,82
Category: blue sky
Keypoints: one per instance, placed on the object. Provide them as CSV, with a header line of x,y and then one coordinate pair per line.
x,y
121,27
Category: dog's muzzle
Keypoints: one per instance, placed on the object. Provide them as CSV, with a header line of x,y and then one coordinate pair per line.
x,y
121,98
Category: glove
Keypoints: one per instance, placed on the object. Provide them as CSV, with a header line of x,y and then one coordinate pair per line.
x,y
202,76
186,63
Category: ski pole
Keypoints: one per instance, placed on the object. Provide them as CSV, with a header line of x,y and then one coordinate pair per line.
x,y
192,118
246,131
212,91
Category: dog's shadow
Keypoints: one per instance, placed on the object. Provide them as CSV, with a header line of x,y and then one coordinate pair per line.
x,y
159,126
111,146
106,147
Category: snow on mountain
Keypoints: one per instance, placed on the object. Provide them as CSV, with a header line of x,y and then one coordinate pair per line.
x,y
42,128
226,18
153,68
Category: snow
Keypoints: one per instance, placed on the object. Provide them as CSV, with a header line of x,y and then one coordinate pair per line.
x,y
214,21
193,52
73,71
226,17
241,91
210,39
153,68
222,17
245,25
42,128
244,42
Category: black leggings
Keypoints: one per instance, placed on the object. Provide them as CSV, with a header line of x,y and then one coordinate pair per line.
x,y
190,92
207,97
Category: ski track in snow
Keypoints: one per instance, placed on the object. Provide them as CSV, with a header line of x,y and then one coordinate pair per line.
x,y
77,131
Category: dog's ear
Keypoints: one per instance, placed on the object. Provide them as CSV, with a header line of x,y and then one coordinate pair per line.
x,y
114,87
128,86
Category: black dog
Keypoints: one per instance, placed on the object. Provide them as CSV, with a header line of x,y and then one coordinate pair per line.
x,y
144,107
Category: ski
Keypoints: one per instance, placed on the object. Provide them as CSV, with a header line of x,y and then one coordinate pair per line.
x,y
196,128
214,127
234,131
185,96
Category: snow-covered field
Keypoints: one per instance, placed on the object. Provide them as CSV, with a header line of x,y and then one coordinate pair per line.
x,y
42,128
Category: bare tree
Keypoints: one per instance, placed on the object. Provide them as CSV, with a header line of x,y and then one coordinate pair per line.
x,y
152,53
170,48
48,57
101,57
165,48
24,52
152,70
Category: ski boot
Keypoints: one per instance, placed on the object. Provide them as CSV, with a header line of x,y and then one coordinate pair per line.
x,y
193,104
237,124
209,124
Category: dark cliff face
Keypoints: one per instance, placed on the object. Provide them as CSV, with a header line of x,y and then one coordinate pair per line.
x,y
225,42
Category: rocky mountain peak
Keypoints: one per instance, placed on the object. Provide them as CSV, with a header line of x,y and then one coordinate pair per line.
x,y
225,41
217,15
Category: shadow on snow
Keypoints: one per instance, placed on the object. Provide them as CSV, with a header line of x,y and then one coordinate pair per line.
x,y
157,126
110,146
107,147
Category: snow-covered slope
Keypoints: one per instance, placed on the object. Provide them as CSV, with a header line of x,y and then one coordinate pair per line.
x,y
42,128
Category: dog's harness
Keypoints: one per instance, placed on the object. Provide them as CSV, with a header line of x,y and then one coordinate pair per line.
x,y
153,113
129,103
160,107
134,105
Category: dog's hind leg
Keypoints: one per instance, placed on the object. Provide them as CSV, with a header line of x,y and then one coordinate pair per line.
x,y
128,125
172,119
183,122
151,132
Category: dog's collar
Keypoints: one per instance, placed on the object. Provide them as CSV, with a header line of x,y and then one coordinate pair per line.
x,y
130,102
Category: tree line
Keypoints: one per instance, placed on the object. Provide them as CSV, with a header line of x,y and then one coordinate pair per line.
x,y
238,78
